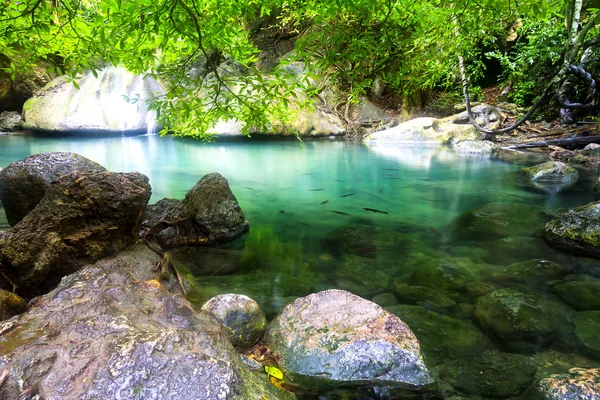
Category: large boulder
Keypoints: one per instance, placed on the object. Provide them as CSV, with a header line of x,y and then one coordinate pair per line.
x,y
241,315
83,217
15,90
23,183
531,273
112,330
580,294
551,172
523,322
208,215
335,338
587,326
97,104
577,384
576,230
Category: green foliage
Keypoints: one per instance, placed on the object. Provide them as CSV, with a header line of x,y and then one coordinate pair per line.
x,y
529,64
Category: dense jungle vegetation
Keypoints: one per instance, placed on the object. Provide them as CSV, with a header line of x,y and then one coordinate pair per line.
x,y
393,47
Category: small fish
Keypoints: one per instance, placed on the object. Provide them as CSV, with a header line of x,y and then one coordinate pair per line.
x,y
281,212
309,173
305,224
348,195
397,179
287,188
427,179
391,169
315,190
388,175
432,229
339,212
432,200
374,210
324,202
338,180
358,179
249,188
380,190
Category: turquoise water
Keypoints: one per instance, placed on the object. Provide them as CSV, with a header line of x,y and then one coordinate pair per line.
x,y
309,229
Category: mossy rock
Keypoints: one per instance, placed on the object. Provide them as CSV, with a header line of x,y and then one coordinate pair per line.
x,y
531,273
580,294
449,274
442,336
358,276
522,321
551,172
577,384
587,331
493,375
576,230
11,304
365,240
422,295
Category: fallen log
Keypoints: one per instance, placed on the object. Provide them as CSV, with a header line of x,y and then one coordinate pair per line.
x,y
567,142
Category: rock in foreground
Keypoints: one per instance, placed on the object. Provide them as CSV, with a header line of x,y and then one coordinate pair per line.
x,y
83,217
111,331
577,384
24,183
334,337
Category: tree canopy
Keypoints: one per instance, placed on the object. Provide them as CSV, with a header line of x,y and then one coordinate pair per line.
x,y
405,45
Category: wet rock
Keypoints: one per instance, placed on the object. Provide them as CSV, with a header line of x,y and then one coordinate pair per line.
x,y
334,337
24,183
208,215
552,172
532,273
14,90
83,217
11,304
475,147
205,261
442,336
495,375
475,289
365,240
581,295
10,121
356,275
523,322
241,315
111,330
97,105
587,326
592,150
577,384
498,220
485,115
450,274
422,295
516,249
576,230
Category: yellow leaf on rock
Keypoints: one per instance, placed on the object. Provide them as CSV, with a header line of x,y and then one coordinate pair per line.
x,y
274,372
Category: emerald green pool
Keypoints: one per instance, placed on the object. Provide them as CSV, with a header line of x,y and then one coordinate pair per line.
x,y
372,220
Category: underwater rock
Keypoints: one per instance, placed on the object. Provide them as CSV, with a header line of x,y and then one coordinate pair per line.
x,y
111,330
551,172
475,147
241,315
83,217
206,261
24,183
385,299
531,273
576,231
334,338
587,326
442,336
498,220
10,121
433,298
449,274
208,215
357,276
365,240
524,322
577,384
11,304
580,294
495,375
97,105
475,289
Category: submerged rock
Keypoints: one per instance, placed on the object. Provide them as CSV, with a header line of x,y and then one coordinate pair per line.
x,y
495,375
577,384
552,172
241,315
587,326
97,105
532,273
442,336
83,217
523,322
336,338
422,295
206,261
449,274
208,215
11,304
580,294
365,240
23,183
576,230
112,331
356,275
